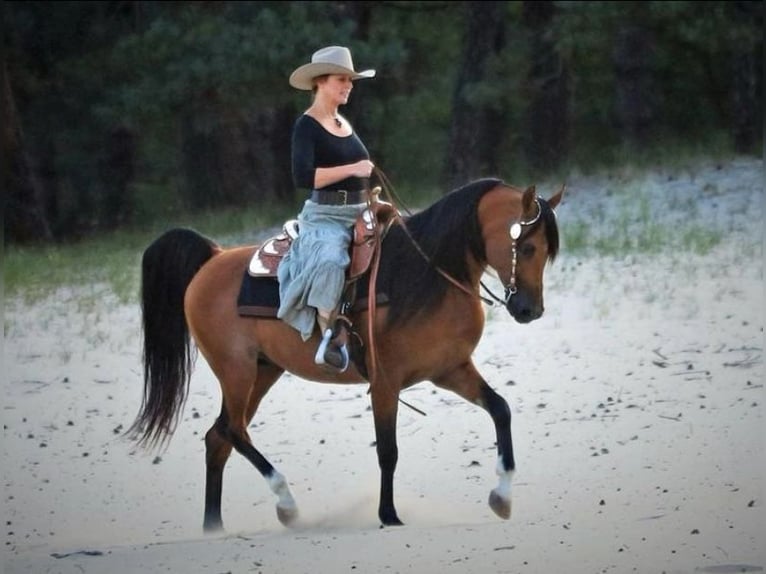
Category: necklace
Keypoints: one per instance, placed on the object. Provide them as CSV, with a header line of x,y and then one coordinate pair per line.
x,y
320,112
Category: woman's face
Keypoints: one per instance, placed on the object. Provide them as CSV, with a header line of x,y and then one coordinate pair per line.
x,y
335,87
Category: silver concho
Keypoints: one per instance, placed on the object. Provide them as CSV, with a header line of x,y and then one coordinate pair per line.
x,y
515,231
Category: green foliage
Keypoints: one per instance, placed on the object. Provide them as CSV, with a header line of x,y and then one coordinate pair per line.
x,y
692,45
191,55
80,70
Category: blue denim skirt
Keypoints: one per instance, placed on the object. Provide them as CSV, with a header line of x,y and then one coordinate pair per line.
x,y
312,274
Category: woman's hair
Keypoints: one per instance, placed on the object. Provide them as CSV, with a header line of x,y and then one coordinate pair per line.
x,y
314,82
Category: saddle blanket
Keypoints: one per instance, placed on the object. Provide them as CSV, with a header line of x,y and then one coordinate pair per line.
x,y
259,296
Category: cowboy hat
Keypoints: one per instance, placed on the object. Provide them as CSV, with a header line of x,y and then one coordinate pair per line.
x,y
330,60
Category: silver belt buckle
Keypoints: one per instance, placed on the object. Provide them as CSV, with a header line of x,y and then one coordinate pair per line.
x,y
344,195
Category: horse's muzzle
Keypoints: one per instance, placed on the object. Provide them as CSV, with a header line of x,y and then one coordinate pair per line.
x,y
523,308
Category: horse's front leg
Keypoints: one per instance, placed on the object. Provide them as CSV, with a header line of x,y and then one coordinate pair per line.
x,y
469,384
384,407
500,497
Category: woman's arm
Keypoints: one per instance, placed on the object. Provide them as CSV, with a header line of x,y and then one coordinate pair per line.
x,y
324,176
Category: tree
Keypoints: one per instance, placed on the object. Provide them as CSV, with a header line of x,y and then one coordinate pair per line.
x,y
747,77
634,80
24,211
547,133
476,128
113,108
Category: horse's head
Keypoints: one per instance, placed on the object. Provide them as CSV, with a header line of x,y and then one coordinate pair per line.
x,y
520,236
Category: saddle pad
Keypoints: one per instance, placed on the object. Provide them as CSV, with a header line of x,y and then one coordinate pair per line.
x,y
259,296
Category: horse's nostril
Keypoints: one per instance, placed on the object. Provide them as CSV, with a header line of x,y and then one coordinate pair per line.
x,y
524,312
521,314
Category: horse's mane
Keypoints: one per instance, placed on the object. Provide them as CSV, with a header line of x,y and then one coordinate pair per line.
x,y
551,229
446,231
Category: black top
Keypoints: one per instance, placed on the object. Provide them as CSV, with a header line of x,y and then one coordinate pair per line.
x,y
313,147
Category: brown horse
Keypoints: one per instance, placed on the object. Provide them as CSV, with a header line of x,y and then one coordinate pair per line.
x,y
430,269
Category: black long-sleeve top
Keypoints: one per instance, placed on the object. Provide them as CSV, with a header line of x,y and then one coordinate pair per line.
x,y
313,147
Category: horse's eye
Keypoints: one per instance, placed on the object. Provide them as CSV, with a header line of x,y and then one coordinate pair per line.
x,y
527,250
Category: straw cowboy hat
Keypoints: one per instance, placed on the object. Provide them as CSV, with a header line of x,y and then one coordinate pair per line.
x,y
330,60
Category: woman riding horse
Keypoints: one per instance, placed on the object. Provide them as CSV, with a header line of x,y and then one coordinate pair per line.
x,y
430,270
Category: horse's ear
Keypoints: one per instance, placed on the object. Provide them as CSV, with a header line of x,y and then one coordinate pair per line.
x,y
556,199
528,199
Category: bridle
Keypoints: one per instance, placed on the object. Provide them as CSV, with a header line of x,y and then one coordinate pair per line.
x,y
515,231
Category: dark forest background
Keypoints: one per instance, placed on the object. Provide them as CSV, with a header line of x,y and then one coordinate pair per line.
x,y
118,113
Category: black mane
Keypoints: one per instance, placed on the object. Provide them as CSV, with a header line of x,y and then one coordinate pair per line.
x,y
551,228
444,231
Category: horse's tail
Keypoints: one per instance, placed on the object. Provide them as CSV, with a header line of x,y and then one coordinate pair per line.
x,y
167,267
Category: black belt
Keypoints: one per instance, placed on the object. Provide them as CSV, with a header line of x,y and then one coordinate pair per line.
x,y
338,197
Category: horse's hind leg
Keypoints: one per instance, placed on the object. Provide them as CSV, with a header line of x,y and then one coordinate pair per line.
x,y
240,402
469,384
217,449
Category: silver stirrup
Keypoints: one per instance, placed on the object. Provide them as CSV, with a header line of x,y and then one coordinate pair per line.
x,y
319,357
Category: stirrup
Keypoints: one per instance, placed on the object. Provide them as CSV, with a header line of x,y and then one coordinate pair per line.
x,y
321,355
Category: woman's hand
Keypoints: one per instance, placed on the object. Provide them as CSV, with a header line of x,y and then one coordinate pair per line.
x,y
362,168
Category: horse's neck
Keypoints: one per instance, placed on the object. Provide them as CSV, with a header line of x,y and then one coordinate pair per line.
x,y
476,269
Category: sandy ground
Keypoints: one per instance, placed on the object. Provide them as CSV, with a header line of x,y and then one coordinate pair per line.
x,y
637,407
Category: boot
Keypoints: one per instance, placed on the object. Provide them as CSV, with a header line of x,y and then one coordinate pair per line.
x,y
332,352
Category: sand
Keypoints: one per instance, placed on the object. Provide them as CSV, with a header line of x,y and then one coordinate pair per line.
x,y
637,404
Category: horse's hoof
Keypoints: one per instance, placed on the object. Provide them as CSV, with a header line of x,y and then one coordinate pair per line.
x,y
287,515
500,506
389,519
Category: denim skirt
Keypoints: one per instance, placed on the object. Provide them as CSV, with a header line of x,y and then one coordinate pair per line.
x,y
312,274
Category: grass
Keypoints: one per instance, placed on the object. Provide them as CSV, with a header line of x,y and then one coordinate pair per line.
x,y
635,216
34,272
624,236
37,271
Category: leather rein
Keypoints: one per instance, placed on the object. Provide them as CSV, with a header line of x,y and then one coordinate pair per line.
x,y
515,231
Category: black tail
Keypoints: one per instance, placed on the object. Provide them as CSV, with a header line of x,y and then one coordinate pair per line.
x,y
167,268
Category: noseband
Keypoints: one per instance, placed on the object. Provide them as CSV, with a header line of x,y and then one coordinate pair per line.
x,y
515,231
